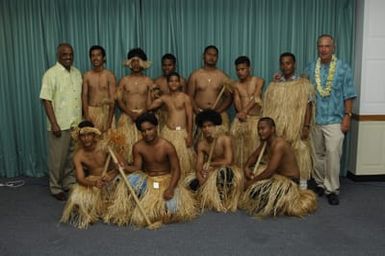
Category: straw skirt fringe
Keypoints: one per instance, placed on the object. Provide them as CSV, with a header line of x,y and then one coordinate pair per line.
x,y
218,197
277,196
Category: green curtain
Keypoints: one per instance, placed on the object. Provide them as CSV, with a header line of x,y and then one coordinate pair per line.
x,y
31,30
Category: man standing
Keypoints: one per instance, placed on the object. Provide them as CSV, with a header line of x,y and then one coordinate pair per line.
x,y
133,97
205,86
335,92
98,96
61,95
288,101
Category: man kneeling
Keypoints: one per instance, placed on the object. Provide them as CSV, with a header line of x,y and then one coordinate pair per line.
x,y
89,197
220,182
275,190
156,186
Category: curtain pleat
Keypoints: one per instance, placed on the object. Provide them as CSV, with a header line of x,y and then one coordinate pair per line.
x,y
31,30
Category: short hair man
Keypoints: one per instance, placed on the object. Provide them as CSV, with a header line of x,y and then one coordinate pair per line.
x,y
289,101
156,184
273,190
87,201
248,103
335,92
61,95
98,96
220,181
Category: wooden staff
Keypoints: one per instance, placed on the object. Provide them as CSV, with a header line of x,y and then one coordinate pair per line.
x,y
259,158
106,165
150,225
224,87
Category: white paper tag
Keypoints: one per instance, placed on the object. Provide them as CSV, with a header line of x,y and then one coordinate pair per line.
x,y
178,128
155,185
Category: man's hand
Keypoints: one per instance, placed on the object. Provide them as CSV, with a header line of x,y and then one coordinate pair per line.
x,y
168,194
248,173
242,116
188,140
305,132
56,130
345,124
99,183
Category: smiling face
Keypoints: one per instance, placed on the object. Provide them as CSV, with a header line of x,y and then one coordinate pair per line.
x,y
326,47
173,83
88,140
65,56
149,132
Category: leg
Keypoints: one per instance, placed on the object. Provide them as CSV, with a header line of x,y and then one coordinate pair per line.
x,y
319,155
68,178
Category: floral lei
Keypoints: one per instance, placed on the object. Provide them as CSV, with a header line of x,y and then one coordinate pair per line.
x,y
324,92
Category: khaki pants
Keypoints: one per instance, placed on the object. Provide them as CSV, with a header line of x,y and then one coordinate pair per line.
x,y
60,167
327,141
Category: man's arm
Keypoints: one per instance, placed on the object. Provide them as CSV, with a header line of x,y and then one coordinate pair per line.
x,y
345,124
175,172
111,94
276,158
251,161
156,104
52,118
85,97
200,173
256,96
191,91
189,117
307,121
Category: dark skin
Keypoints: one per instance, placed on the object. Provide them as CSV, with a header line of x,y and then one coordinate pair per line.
x,y
156,156
89,158
64,57
280,155
222,154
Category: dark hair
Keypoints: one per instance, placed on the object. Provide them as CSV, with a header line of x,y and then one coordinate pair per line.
x,y
137,52
169,56
173,74
61,45
208,115
242,60
210,47
268,120
146,117
97,47
86,123
286,54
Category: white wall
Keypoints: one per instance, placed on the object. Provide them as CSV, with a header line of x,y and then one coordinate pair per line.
x,y
368,134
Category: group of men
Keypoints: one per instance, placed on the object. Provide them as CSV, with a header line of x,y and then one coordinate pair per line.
x,y
261,162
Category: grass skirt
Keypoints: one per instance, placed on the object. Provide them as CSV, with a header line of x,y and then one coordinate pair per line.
x,y
99,116
277,196
185,154
122,204
84,206
218,197
155,206
286,103
245,136
128,129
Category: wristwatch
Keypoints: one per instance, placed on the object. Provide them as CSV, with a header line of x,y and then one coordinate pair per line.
x,y
349,114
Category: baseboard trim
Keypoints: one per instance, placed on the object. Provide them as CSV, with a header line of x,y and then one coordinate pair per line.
x,y
361,178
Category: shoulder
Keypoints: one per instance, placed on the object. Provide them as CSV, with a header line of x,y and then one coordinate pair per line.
x,y
109,73
343,66
166,144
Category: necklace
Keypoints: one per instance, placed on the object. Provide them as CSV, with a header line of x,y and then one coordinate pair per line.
x,y
325,91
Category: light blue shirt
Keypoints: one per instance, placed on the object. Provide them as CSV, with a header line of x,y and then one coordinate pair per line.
x,y
330,109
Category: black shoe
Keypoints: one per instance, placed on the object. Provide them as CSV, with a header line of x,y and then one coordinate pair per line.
x,y
320,191
333,199
60,196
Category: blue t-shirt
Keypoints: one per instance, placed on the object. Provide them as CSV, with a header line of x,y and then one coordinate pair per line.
x,y
330,109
